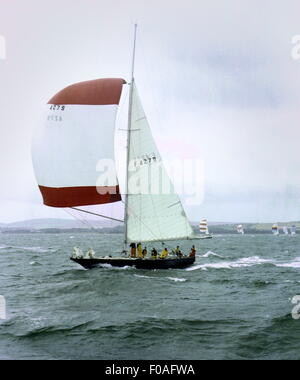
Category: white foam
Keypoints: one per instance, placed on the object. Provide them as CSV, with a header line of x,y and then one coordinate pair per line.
x,y
109,266
176,279
141,276
168,278
292,264
240,263
34,263
210,253
33,249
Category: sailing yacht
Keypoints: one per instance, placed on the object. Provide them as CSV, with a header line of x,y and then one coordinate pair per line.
x,y
240,229
285,230
76,134
293,230
275,229
203,228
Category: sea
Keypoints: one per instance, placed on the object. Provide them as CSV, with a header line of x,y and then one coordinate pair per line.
x,y
235,302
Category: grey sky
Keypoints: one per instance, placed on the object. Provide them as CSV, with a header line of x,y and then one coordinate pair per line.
x,y
216,78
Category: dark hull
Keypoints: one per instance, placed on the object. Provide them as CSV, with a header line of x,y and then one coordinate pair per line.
x,y
137,263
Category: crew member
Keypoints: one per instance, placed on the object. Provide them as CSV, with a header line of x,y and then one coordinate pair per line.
x,y
145,252
133,250
193,251
154,253
139,251
164,254
178,252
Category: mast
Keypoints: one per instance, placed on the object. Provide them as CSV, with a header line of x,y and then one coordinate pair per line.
x,y
129,138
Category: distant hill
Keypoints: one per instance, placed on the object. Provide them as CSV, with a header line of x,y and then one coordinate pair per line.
x,y
34,224
107,226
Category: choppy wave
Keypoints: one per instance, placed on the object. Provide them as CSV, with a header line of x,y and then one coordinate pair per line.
x,y
37,249
36,329
34,263
240,263
61,311
5,247
31,249
210,253
176,279
142,276
245,262
292,264
261,283
109,266
262,343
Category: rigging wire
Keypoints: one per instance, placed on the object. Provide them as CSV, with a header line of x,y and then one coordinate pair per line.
x,y
93,213
141,221
85,222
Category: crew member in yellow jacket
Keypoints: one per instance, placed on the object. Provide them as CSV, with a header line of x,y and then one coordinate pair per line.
x,y
139,251
164,254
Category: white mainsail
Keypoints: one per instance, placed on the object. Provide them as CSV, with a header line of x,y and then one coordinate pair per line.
x,y
154,210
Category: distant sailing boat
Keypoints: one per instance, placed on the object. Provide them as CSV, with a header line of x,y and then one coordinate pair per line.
x,y
275,229
203,228
285,230
293,230
240,229
77,132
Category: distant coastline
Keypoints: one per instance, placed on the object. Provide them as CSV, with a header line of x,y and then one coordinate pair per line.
x,y
55,226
